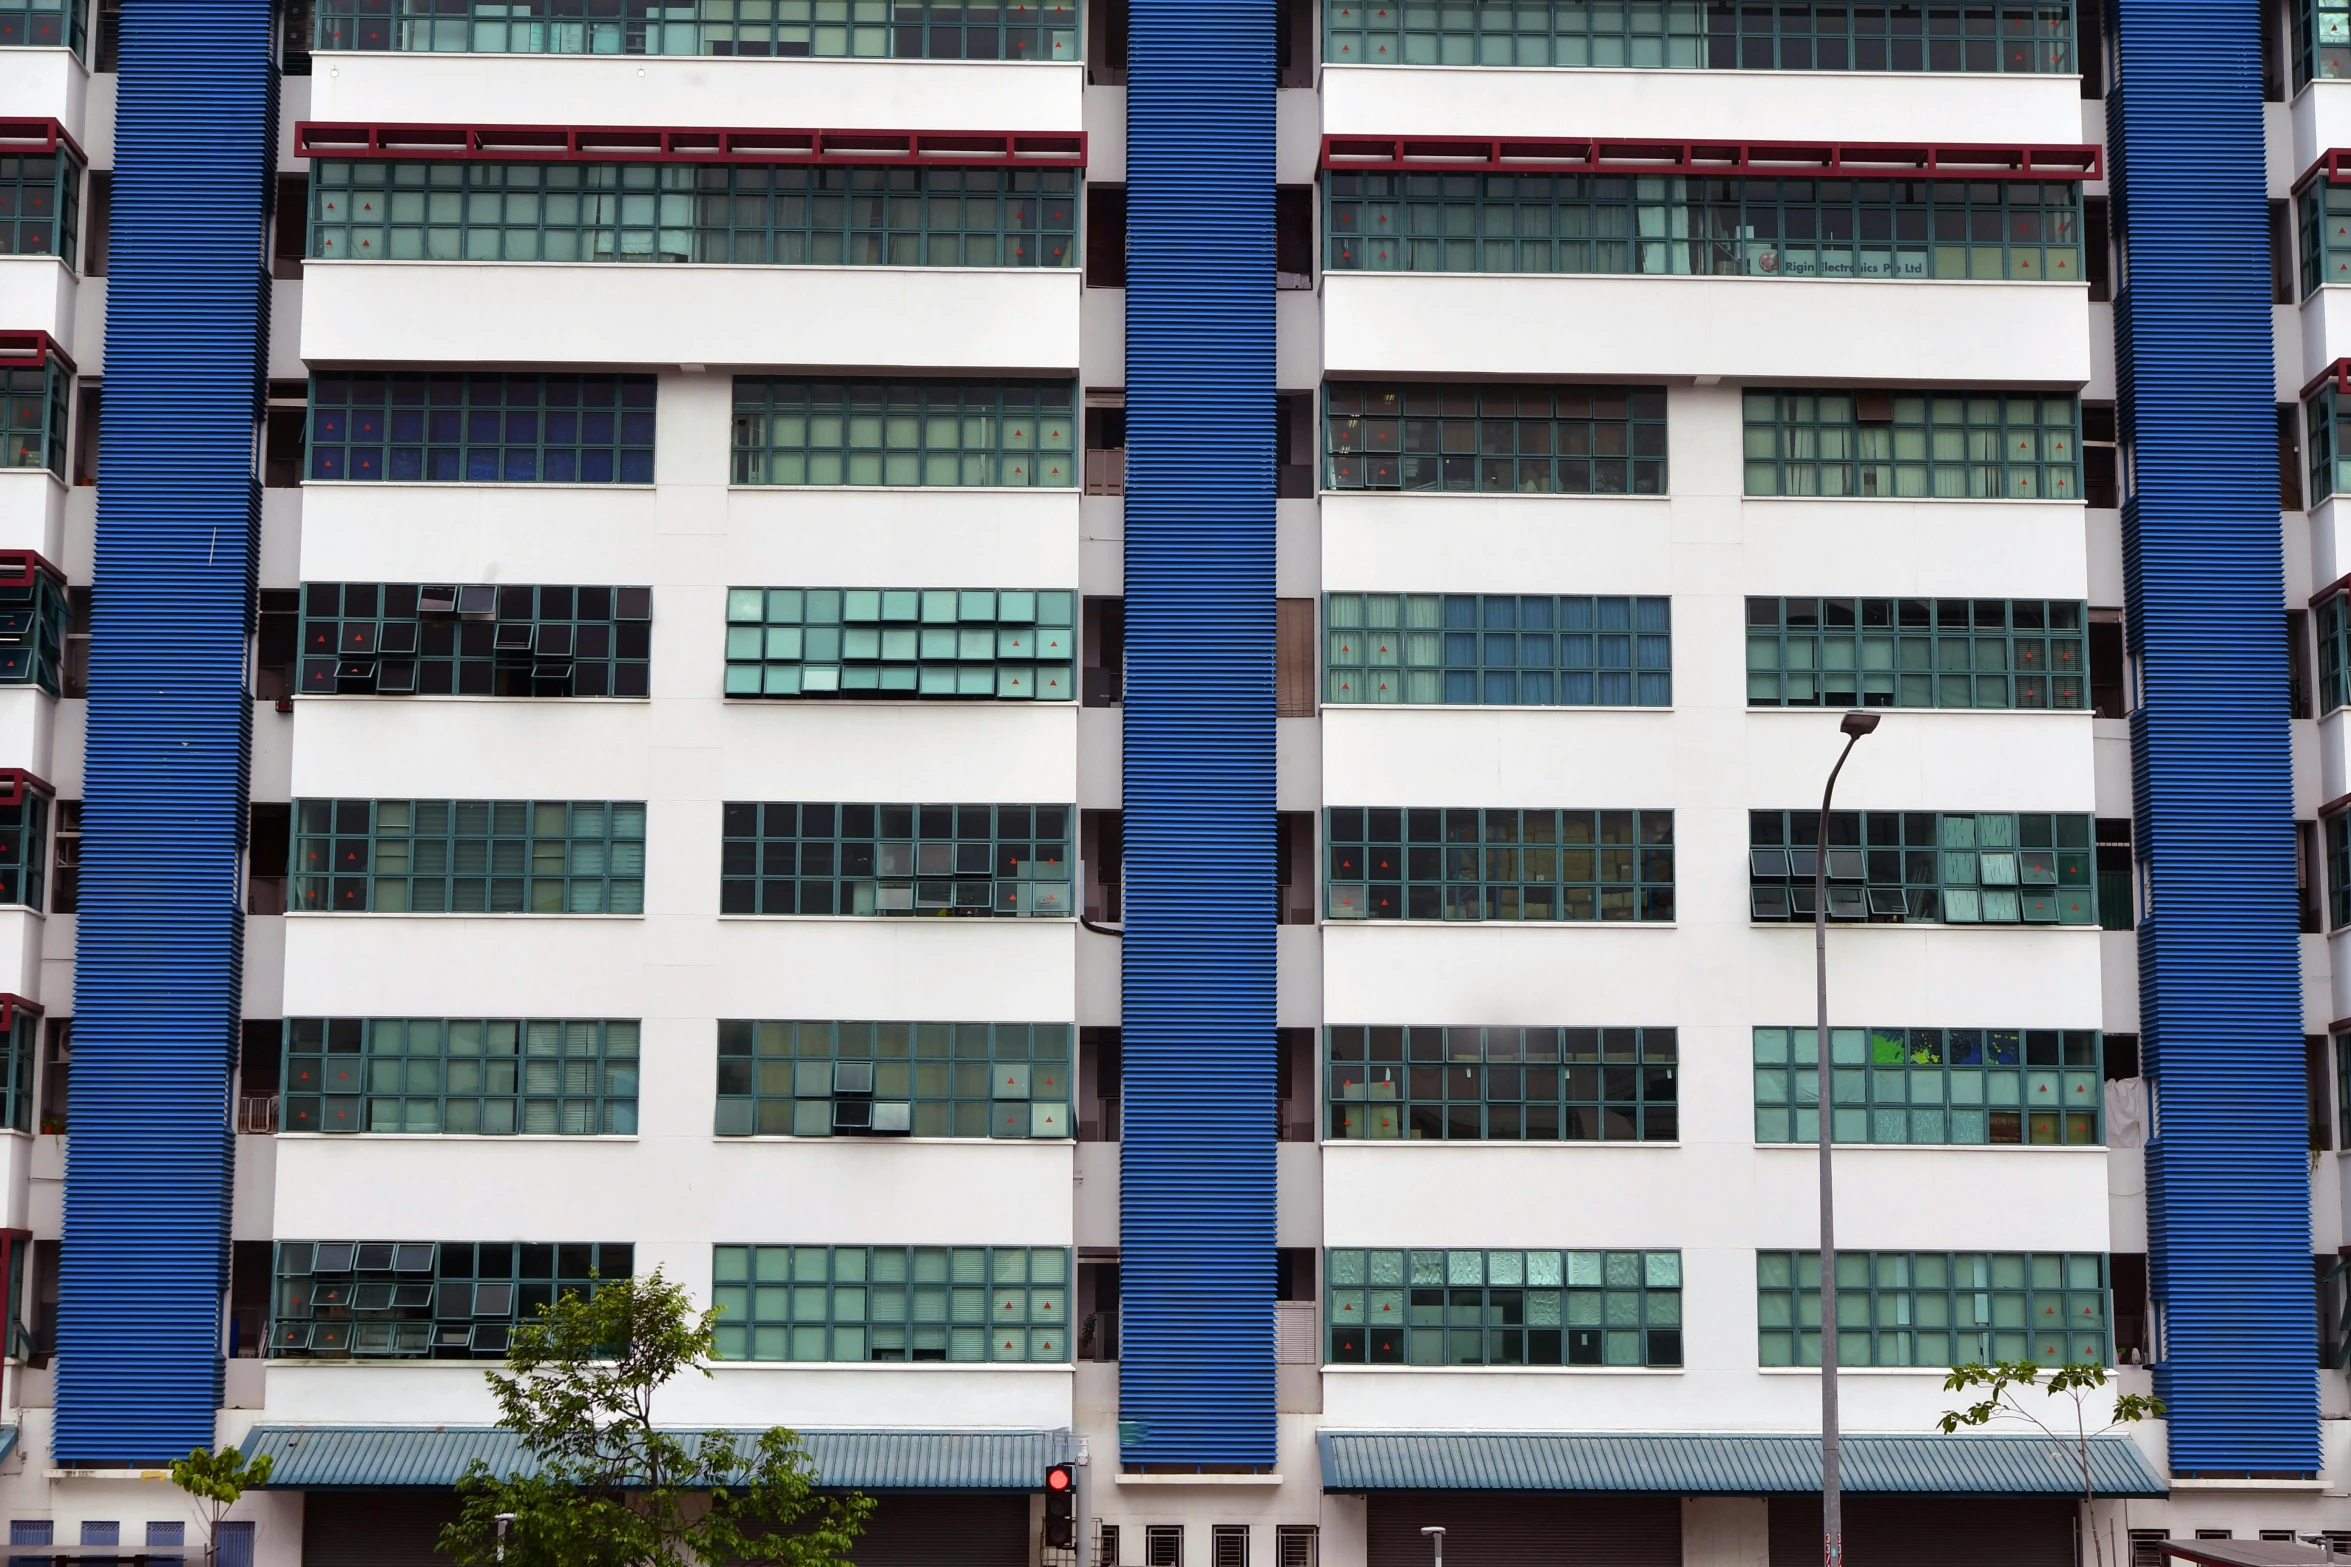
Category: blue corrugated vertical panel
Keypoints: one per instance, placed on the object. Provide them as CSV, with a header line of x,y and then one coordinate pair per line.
x,y
158,962
2219,973
1196,1240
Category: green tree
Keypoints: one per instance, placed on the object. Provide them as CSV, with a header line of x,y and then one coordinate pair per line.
x,y
216,1480
2077,1383
601,1486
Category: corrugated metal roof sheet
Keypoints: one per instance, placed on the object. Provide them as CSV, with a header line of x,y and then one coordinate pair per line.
x,y
7,1440
372,1457
1728,1464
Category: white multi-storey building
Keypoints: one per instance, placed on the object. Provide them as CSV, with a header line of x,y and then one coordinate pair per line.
x,y
1112,715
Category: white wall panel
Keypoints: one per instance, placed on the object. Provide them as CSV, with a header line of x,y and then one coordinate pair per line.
x,y
1837,330
741,93
38,292
559,315
46,84
1875,106
2322,122
2326,329
32,511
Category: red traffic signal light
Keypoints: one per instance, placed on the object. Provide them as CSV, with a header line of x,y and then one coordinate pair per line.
x,y
1061,1479
1061,1505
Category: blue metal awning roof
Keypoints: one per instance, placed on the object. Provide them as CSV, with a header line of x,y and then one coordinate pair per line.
x,y
1744,1463
371,1457
7,1440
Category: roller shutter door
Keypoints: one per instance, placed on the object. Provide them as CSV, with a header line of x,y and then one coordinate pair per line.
x,y
1928,1531
935,1530
1511,1529
375,1528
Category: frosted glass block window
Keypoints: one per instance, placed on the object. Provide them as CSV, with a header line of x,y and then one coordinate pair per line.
x,y
1913,445
833,1079
424,1300
1903,1308
541,1077
975,1304
967,861
1616,1085
1504,1308
902,643
1909,867
1421,864
1994,653
470,856
1498,649
1018,434
2039,1086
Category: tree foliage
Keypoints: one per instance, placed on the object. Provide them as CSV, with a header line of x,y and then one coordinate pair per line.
x,y
217,1480
601,1486
2001,1382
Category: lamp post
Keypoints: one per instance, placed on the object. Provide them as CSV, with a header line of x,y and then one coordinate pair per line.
x,y
1832,1510
1436,1534
503,1520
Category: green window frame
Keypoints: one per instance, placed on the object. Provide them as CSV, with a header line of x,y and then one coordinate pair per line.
x,y
1683,35
35,398
24,840
1665,224
1014,30
1980,653
1000,1304
476,639
1913,445
568,1077
984,434
1524,440
2322,213
1901,1308
1388,863
2322,39
481,427
33,617
425,1300
1926,867
1938,1086
2338,836
1498,649
836,1079
742,214
44,24
1616,1085
40,205
1010,644
856,858
2326,414
1504,1308
470,856
23,1042
2334,652
2342,1045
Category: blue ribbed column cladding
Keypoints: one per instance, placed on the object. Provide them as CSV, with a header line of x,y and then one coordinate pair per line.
x,y
158,973
1196,1242
2220,981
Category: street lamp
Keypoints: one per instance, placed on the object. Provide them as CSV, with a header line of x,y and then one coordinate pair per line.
x,y
1832,1510
502,1520
1436,1534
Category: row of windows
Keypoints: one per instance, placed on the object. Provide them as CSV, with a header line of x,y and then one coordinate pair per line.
x,y
1676,34
641,212
1912,867
1935,1308
1505,1308
1013,861
967,861
2003,653
40,204
1531,650
821,1079
1498,649
892,1303
482,427
515,428
1504,1084
1931,1085
1743,227
1722,35
1535,440
1391,864
33,414
818,1078
470,856
44,24
538,1077
935,642
476,639
864,29
457,1300
424,1300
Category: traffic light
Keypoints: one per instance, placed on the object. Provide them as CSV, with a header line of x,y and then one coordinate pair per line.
x,y
1061,1506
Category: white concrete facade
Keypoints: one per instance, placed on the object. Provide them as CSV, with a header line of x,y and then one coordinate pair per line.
x,y
676,1190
